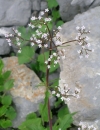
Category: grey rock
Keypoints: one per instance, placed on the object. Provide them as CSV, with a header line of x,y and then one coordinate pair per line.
x,y
14,12
4,47
44,5
4,30
83,73
26,93
36,5
70,8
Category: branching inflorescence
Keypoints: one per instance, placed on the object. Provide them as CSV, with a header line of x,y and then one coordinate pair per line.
x,y
45,37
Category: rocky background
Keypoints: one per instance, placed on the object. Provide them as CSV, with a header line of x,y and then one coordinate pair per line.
x,y
14,13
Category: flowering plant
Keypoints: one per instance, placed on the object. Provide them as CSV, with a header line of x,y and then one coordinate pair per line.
x,y
41,34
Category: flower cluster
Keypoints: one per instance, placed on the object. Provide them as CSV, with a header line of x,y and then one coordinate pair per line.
x,y
64,92
86,126
83,41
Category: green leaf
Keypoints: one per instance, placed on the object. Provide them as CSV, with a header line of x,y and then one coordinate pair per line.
x,y
25,55
6,74
57,103
59,23
6,100
1,88
31,116
63,111
1,65
31,124
3,110
52,3
5,123
65,122
10,113
44,112
55,14
9,84
42,64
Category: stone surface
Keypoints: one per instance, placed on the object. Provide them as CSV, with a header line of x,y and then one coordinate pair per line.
x,y
83,73
44,5
14,12
70,8
4,47
4,30
26,94
36,5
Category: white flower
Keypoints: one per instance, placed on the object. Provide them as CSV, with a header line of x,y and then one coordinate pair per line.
x,y
29,24
79,51
40,45
49,59
54,54
86,56
88,45
79,34
80,43
53,92
87,38
55,61
17,39
82,27
39,17
57,43
32,44
58,95
31,38
40,26
9,44
8,40
33,18
39,41
19,51
59,28
46,10
19,34
45,45
77,28
32,26
18,43
48,66
42,13
46,62
51,56
16,31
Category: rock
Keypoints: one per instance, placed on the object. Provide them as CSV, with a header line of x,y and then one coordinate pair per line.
x,y
36,5
15,12
4,47
26,93
83,73
44,5
4,30
70,8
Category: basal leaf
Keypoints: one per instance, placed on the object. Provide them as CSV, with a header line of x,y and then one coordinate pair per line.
x,y
9,84
5,123
6,100
10,113
52,3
